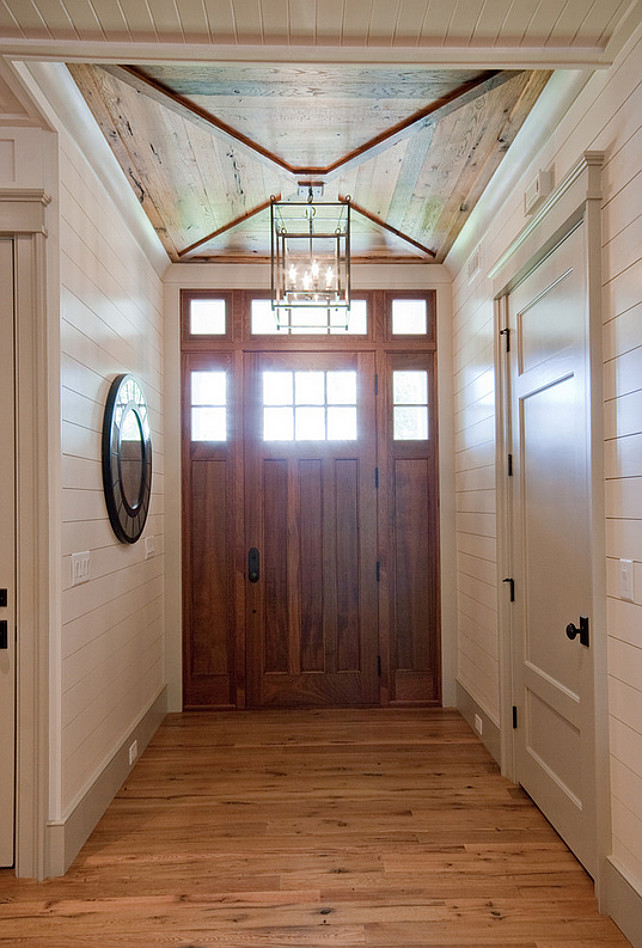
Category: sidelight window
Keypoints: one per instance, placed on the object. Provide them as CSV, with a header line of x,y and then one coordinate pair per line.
x,y
209,406
410,405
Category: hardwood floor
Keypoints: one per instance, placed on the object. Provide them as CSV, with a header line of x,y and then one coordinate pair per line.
x,y
311,828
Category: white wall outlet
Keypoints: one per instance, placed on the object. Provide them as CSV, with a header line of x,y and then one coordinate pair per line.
x,y
133,752
150,547
80,563
626,580
479,725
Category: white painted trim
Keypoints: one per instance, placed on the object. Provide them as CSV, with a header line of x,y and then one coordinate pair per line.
x,y
577,198
489,57
68,835
468,707
623,901
34,503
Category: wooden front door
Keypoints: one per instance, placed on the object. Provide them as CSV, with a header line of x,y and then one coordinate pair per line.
x,y
311,524
310,567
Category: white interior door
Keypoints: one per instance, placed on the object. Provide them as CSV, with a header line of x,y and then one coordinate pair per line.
x,y
553,673
7,558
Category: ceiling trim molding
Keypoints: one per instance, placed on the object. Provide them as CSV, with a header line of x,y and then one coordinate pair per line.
x,y
445,57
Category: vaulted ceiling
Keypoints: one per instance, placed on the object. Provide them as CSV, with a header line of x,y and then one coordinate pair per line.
x,y
408,106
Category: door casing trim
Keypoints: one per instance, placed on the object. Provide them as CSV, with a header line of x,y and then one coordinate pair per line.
x,y
577,199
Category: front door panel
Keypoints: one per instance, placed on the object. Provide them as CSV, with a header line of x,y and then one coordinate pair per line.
x,y
311,515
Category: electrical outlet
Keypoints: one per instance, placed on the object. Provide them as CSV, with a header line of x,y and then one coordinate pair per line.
x,y
80,563
133,752
626,580
149,547
479,725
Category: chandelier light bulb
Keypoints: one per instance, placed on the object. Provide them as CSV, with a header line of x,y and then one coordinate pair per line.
x,y
329,278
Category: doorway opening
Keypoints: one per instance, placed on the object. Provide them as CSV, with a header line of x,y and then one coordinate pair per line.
x,y
310,508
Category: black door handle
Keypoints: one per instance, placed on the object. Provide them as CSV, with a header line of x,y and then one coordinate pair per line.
x,y
253,565
4,634
572,631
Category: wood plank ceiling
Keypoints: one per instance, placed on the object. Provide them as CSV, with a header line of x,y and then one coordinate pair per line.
x,y
205,146
408,107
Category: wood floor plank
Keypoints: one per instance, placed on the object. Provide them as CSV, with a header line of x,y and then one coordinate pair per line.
x,y
278,829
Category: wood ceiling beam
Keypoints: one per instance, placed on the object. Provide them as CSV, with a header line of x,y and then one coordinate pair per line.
x,y
432,113
222,230
393,230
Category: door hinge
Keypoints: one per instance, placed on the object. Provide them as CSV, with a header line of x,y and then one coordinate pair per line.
x,y
510,465
378,571
506,332
511,582
379,665
376,384
514,718
377,477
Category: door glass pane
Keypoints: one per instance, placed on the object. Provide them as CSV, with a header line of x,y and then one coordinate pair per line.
x,y
410,423
209,400
207,317
208,388
409,317
278,424
310,424
277,388
410,388
309,388
410,405
342,388
208,424
310,405
342,423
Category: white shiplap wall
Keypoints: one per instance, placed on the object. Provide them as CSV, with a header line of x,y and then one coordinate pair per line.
x,y
112,626
474,403
605,116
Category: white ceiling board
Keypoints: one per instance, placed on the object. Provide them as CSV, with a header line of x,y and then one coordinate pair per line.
x,y
442,24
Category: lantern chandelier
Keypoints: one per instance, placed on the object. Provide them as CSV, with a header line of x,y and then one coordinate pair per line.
x,y
310,257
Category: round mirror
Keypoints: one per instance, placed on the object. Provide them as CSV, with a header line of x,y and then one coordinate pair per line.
x,y
131,458
127,458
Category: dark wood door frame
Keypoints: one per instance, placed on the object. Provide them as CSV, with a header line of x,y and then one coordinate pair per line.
x,y
214,537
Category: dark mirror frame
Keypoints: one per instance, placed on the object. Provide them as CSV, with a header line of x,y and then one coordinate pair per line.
x,y
125,394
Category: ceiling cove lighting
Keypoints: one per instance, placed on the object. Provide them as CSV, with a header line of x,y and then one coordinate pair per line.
x,y
310,259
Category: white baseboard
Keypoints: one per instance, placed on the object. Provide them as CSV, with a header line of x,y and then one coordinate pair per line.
x,y
67,837
623,902
490,736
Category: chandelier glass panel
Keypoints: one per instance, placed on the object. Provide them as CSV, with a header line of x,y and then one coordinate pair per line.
x,y
310,255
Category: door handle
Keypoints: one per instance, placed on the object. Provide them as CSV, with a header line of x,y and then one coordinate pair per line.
x,y
4,634
253,565
572,631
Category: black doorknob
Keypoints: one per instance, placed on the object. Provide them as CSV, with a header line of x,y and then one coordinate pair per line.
x,y
572,631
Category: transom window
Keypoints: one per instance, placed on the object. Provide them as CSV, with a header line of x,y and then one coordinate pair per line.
x,y
410,405
409,317
207,317
310,406
299,321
